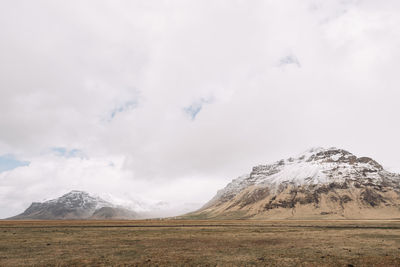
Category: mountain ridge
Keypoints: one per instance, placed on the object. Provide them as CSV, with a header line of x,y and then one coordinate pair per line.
x,y
320,183
74,205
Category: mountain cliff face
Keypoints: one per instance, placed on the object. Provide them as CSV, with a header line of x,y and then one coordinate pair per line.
x,y
74,205
321,183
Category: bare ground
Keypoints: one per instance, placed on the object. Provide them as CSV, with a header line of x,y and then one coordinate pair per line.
x,y
199,243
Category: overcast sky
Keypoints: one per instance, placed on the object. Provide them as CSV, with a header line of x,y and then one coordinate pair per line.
x,y
167,101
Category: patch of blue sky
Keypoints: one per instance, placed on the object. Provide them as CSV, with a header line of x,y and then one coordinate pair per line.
x,y
64,152
194,109
9,162
129,105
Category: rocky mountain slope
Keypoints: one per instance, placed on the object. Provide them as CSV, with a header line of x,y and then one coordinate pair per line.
x,y
320,183
74,205
116,213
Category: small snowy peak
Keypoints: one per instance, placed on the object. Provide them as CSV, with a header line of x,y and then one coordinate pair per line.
x,y
320,154
80,199
75,205
311,151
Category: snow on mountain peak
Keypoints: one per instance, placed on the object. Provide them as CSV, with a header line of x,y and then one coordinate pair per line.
x,y
80,199
314,166
319,183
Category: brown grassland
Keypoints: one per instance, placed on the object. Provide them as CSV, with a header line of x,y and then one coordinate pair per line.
x,y
199,243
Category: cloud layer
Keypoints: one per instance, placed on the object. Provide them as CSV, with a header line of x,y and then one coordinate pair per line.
x,y
169,100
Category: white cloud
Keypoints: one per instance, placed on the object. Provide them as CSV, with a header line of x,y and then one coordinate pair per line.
x,y
111,79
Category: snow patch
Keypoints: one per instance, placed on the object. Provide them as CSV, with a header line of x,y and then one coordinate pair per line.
x,y
312,167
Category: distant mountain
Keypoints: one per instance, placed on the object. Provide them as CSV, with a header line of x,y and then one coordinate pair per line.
x,y
74,205
320,183
106,213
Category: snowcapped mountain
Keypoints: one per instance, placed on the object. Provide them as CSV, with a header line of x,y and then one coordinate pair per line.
x,y
75,205
329,183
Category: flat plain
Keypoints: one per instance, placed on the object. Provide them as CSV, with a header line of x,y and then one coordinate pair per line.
x,y
200,243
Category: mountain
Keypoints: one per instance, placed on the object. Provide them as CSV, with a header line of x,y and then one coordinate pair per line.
x,y
74,205
320,183
106,213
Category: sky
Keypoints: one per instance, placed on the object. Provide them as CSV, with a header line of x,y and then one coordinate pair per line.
x,y
159,104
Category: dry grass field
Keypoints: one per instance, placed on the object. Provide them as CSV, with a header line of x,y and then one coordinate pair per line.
x,y
199,243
